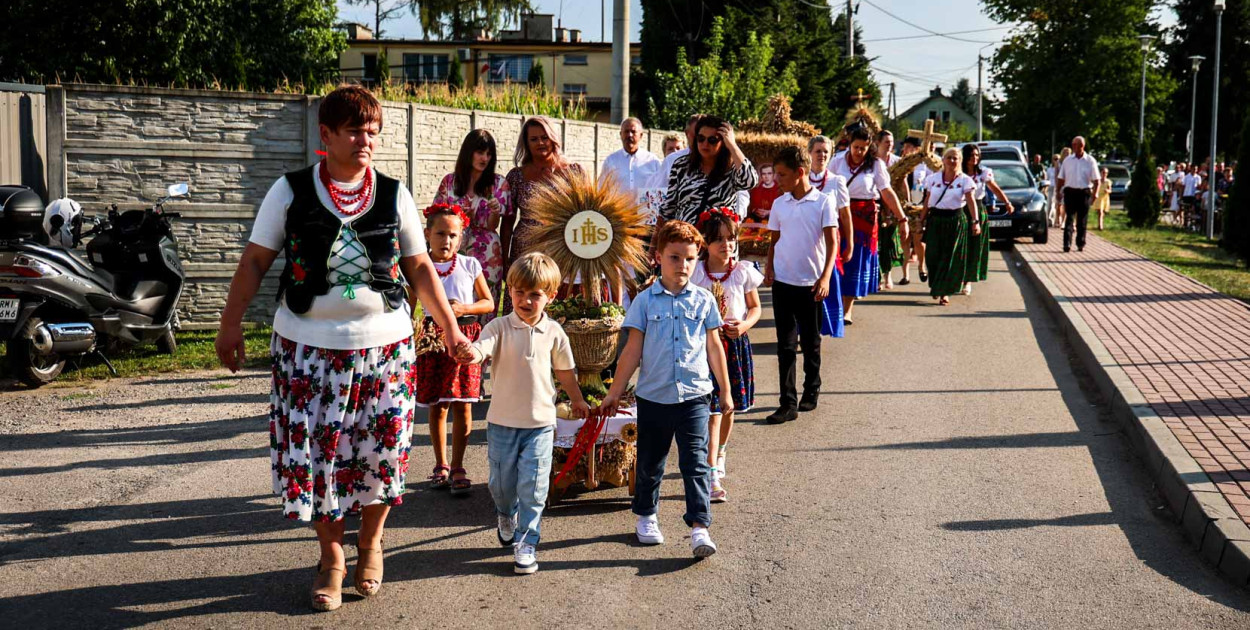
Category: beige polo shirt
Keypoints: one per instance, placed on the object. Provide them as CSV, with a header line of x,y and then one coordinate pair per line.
x,y
523,358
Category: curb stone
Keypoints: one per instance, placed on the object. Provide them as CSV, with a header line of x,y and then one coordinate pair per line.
x,y
1202,511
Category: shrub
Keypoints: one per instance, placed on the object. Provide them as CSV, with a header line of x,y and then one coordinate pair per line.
x,y
1142,202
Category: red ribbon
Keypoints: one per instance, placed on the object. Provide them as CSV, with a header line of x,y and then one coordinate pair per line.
x,y
586,437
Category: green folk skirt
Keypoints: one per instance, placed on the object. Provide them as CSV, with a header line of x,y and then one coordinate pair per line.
x,y
889,248
979,249
946,252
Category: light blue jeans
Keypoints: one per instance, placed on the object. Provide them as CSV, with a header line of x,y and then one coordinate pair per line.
x,y
520,474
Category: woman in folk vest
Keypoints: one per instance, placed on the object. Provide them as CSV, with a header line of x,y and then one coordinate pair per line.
x,y
341,408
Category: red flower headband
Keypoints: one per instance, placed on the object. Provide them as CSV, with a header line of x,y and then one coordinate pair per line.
x,y
706,215
447,208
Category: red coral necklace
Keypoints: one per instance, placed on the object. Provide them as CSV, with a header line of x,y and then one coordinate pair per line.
x,y
444,274
343,198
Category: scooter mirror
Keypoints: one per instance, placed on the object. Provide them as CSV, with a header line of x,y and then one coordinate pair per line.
x,y
178,190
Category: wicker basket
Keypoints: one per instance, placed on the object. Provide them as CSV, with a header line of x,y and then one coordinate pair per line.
x,y
593,342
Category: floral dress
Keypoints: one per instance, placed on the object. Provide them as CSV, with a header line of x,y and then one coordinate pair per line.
x,y
479,242
520,190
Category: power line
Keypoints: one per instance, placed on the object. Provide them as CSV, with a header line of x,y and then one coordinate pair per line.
x,y
977,30
917,26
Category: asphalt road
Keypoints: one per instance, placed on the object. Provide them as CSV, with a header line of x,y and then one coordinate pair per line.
x,y
955,475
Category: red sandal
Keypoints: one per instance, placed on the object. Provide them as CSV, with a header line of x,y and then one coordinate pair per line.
x,y
440,476
461,485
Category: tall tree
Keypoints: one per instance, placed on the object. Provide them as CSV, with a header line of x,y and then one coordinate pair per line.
x,y
802,33
240,43
1093,46
964,96
460,19
383,11
1194,34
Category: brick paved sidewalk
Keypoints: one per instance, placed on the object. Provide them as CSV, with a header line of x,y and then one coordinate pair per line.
x,y
1183,344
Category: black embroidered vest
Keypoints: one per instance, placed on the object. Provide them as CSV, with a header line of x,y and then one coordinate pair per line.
x,y
312,229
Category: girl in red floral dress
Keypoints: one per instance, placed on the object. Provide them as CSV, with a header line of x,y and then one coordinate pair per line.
x,y
443,384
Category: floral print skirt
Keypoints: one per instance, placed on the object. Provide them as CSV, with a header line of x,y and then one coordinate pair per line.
x,y
741,368
340,427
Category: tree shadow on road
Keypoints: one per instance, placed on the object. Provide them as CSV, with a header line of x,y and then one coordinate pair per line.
x,y
1135,505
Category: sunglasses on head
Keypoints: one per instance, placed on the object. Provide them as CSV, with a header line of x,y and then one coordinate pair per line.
x,y
708,139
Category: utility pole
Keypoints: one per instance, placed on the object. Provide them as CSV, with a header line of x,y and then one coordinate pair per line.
x,y
1215,118
603,20
980,100
892,104
850,32
620,60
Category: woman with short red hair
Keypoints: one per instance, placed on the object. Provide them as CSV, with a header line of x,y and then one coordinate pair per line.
x,y
342,403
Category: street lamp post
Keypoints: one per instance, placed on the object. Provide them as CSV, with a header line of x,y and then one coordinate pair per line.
x,y
1215,118
1141,131
1196,60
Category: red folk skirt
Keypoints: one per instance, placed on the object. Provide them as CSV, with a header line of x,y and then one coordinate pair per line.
x,y
440,379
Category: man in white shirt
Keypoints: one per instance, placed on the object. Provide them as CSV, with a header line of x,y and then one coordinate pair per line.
x,y
1079,179
633,167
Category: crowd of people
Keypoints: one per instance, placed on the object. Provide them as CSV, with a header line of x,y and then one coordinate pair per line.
x,y
347,376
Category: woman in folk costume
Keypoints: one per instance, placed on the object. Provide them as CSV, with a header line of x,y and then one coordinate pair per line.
x,y
979,244
828,182
890,254
948,210
866,180
341,407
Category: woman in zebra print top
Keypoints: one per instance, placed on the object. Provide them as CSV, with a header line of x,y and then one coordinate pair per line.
x,y
710,176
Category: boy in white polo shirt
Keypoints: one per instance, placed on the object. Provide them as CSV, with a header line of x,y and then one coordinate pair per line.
x,y
524,347
804,225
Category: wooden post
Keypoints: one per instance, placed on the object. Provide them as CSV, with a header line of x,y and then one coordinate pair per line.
x,y
312,129
58,178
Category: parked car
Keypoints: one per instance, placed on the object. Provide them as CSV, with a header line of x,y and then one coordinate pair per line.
x,y
1018,183
1012,150
1119,176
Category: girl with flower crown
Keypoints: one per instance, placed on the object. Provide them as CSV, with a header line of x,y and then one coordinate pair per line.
x,y
442,383
735,286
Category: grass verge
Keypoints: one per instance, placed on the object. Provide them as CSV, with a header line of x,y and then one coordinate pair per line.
x,y
1186,252
195,352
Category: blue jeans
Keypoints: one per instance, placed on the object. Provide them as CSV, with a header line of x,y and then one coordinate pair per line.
x,y
658,424
520,473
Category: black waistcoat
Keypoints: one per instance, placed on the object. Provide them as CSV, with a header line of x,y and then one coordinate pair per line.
x,y
312,229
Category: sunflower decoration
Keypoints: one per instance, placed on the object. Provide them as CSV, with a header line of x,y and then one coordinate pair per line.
x,y
629,432
591,229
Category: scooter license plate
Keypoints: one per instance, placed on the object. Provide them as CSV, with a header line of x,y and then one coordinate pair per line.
x,y
8,309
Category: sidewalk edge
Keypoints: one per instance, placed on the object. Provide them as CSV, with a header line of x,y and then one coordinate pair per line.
x,y
1202,511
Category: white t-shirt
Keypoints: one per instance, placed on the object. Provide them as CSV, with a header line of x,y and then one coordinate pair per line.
x,y
986,175
868,185
1191,184
833,185
945,196
799,253
1079,172
458,285
744,279
334,321
666,168
634,171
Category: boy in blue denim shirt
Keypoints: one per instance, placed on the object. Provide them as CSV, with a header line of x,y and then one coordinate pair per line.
x,y
674,330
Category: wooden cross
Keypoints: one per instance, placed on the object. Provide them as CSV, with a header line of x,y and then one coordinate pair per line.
x,y
927,137
861,97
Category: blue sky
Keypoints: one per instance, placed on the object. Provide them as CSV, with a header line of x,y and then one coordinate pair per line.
x,y
925,62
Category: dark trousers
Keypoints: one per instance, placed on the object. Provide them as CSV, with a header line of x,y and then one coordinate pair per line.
x,y
798,320
658,425
1076,206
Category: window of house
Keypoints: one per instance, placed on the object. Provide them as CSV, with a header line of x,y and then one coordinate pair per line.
x,y
370,62
636,60
513,68
946,116
422,68
574,89
932,114
575,60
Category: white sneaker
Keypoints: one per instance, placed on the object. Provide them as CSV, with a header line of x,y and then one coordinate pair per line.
x,y
701,542
720,466
967,290
648,530
506,530
524,559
